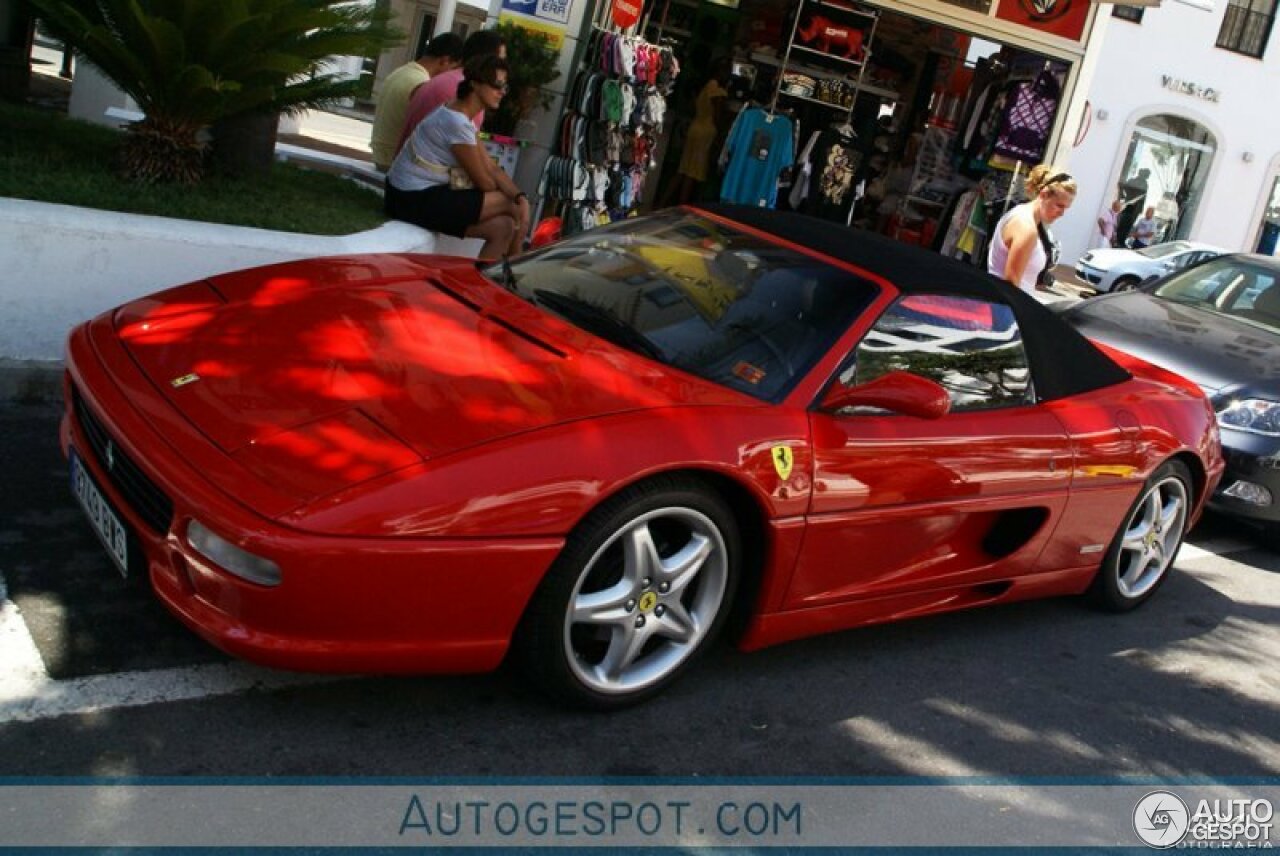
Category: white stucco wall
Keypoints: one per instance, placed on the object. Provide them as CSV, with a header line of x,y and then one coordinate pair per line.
x,y
62,265
1177,39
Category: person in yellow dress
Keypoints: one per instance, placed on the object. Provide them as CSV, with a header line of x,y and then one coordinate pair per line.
x,y
709,120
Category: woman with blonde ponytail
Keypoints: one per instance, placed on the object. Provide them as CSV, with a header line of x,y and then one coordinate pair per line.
x,y
1022,248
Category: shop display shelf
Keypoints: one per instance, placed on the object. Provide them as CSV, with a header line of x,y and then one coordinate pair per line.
x,y
871,88
812,100
845,10
847,63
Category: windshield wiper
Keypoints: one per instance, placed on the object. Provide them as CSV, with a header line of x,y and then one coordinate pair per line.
x,y
593,319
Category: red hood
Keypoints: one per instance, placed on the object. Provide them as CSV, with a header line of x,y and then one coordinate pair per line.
x,y
317,375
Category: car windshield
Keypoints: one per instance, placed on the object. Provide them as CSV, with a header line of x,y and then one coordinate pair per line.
x,y
1162,251
1237,287
683,289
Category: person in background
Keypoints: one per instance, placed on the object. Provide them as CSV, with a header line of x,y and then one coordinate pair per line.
x,y
710,120
1144,231
443,88
444,53
443,181
1106,225
1133,191
1022,249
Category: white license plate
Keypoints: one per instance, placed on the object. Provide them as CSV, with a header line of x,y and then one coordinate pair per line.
x,y
106,523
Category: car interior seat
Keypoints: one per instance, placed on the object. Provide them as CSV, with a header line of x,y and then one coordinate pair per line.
x,y
1266,306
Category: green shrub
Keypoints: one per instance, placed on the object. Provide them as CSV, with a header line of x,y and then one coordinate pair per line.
x,y
47,157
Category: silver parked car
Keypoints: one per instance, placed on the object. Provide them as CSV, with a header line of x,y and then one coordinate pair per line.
x,y
1121,269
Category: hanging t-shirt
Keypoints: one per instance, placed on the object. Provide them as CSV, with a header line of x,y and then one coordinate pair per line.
x,y
759,147
831,187
1029,118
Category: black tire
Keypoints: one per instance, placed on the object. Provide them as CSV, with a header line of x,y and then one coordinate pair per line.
x,y
1125,283
677,579
1144,548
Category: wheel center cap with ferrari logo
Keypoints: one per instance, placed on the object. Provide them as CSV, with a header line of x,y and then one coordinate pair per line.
x,y
648,601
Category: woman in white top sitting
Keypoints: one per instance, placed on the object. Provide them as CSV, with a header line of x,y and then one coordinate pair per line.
x,y
443,179
1017,254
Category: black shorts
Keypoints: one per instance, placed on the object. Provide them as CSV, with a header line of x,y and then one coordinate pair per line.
x,y
438,208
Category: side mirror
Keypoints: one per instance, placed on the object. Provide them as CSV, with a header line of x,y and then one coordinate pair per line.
x,y
897,392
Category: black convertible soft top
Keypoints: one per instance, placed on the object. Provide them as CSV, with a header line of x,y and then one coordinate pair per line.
x,y
1063,361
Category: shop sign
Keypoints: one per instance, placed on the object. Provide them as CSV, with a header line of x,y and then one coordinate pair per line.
x,y
556,11
1186,87
1065,18
626,13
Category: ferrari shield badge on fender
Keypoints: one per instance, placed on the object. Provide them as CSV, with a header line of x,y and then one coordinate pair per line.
x,y
184,380
782,461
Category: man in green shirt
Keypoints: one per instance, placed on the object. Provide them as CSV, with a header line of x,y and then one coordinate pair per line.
x,y
444,53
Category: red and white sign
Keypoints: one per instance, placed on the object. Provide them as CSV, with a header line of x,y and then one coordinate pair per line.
x,y
1064,18
626,13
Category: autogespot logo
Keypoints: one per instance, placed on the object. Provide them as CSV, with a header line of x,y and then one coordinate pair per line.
x,y
1161,819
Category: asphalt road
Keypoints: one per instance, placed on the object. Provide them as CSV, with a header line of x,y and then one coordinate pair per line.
x,y
1186,686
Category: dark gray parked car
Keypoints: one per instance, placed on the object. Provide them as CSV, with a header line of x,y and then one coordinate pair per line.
x,y
1217,324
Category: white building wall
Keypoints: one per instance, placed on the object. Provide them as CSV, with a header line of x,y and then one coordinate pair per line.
x,y
1177,40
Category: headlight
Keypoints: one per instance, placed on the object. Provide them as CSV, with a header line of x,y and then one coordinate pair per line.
x,y
231,558
1252,414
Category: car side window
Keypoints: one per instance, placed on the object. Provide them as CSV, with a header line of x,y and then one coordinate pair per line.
x,y
972,347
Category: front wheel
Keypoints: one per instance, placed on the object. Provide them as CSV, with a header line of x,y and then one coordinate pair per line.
x,y
643,585
1126,283
1143,549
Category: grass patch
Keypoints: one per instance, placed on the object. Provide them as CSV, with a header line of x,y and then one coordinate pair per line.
x,y
47,157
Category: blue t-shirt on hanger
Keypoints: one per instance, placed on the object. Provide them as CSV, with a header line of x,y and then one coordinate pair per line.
x,y
759,147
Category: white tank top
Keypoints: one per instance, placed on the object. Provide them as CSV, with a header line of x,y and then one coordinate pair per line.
x,y
998,250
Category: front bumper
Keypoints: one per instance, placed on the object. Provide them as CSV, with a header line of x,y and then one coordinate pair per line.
x,y
1252,458
345,604
1099,279
1088,274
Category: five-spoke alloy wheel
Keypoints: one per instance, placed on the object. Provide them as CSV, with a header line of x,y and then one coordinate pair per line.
x,y
1144,548
642,586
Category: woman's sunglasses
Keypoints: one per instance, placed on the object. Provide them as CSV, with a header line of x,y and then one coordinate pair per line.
x,y
502,87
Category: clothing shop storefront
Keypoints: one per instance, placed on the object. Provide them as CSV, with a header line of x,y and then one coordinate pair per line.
x,y
1180,124
913,119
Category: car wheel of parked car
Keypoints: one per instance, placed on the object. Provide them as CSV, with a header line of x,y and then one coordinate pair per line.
x,y
643,585
1126,283
1143,549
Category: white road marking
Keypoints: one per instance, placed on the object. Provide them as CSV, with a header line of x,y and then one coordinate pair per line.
x,y
27,693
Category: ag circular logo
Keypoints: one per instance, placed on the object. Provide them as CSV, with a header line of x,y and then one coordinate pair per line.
x,y
1161,819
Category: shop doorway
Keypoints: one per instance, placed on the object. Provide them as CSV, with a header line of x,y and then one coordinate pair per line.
x,y
1268,239
1166,168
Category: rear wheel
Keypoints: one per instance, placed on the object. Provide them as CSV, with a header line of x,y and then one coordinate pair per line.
x,y
643,586
1143,549
1126,283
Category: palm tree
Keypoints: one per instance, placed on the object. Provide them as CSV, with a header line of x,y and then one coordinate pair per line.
x,y
284,65
190,63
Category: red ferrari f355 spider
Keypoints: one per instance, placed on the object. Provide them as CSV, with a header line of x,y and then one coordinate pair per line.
x,y
596,457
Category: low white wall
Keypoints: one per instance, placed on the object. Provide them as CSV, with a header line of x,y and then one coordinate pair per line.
x,y
60,265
